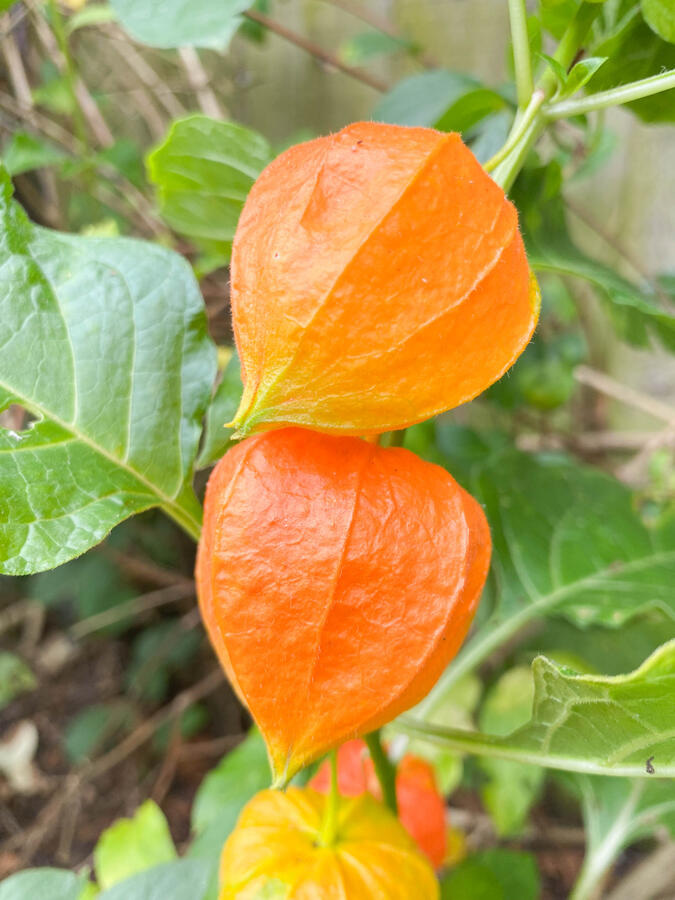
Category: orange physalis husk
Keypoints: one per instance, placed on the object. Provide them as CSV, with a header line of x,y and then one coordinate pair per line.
x,y
336,580
277,844
420,806
378,278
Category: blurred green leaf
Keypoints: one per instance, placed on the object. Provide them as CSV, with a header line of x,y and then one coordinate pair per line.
x,y
222,409
618,812
91,14
133,845
511,788
156,652
181,23
185,879
660,16
55,95
203,172
450,101
25,152
493,875
635,310
42,884
104,342
369,45
634,51
15,677
96,728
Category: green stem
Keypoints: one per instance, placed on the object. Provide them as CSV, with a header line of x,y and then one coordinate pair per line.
x,y
521,51
329,827
646,87
519,132
384,769
58,27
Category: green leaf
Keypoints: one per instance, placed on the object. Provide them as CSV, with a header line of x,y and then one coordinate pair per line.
x,y
222,409
660,16
95,729
104,342
512,787
634,51
45,884
493,875
181,23
15,677
203,172
25,152
581,74
186,879
368,45
592,724
450,101
635,310
557,69
133,845
618,812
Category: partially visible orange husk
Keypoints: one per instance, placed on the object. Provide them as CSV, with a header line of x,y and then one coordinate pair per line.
x,y
378,278
421,809
276,849
336,580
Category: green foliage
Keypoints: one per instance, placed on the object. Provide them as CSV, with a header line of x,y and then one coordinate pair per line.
x,y
635,310
449,101
96,728
82,319
185,879
181,23
369,45
15,677
660,16
203,172
45,884
493,875
156,652
222,410
594,724
24,152
133,845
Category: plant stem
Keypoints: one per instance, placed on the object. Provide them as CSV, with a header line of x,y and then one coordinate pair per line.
x,y
519,132
384,769
59,30
646,87
521,51
330,821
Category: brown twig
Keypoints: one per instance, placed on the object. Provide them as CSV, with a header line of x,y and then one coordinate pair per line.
x,y
199,82
145,570
607,385
316,51
137,606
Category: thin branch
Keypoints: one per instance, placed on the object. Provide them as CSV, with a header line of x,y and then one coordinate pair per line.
x,y
135,607
618,96
607,385
319,53
199,82
521,51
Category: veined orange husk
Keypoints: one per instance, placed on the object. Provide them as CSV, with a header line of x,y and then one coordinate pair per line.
x,y
277,844
378,278
336,581
421,809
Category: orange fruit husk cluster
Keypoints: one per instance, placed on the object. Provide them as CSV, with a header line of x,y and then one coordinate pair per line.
x,y
378,278
336,580
421,809
276,851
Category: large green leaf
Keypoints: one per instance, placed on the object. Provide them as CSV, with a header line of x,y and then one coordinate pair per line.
x,y
104,342
634,309
180,23
618,812
660,16
592,724
45,884
222,410
493,875
203,171
567,540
